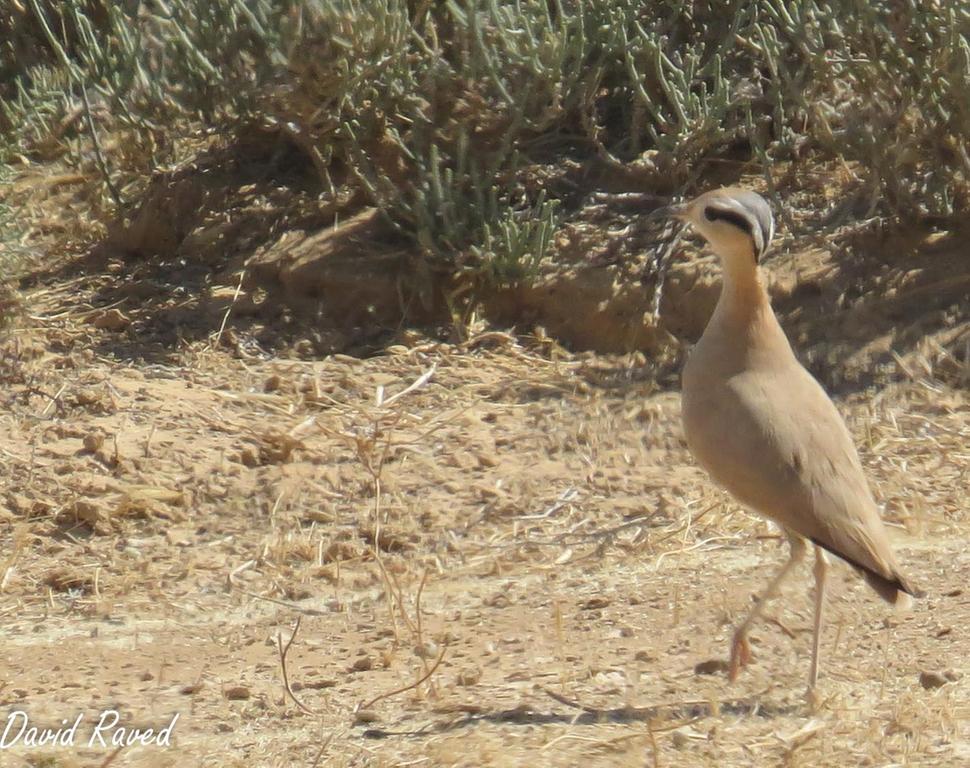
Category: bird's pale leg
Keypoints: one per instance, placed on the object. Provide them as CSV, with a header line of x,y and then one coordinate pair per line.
x,y
821,568
740,650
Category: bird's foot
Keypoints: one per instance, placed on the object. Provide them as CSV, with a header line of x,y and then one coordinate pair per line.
x,y
740,654
814,699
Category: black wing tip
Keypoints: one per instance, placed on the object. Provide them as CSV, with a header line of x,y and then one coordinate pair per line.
x,y
887,588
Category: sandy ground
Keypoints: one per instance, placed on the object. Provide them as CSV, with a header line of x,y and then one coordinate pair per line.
x,y
499,554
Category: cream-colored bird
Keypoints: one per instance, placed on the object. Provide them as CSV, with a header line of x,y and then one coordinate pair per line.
x,y
764,428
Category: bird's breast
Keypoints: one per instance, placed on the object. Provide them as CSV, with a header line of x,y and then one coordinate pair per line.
x,y
703,408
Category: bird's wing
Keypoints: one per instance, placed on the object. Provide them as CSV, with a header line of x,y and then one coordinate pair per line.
x,y
777,443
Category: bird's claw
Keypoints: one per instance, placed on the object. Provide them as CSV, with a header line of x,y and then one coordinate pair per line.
x,y
813,699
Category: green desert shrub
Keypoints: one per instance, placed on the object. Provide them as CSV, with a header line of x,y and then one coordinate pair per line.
x,y
440,112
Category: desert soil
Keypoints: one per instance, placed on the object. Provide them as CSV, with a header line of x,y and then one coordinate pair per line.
x,y
499,553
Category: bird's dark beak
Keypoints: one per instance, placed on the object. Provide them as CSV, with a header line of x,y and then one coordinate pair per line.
x,y
678,211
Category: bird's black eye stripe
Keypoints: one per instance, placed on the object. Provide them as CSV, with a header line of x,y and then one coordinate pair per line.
x,y
731,217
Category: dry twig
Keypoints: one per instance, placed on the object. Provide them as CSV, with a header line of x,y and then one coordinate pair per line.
x,y
285,649
405,688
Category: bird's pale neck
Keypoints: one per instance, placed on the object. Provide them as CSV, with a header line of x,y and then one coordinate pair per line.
x,y
743,296
743,320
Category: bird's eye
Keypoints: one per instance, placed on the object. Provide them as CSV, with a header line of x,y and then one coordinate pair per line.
x,y
710,214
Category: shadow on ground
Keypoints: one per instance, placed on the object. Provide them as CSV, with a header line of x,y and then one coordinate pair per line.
x,y
626,715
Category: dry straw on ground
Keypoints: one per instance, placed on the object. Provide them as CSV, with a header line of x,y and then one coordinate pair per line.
x,y
493,554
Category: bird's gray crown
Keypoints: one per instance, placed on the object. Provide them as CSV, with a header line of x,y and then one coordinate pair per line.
x,y
749,212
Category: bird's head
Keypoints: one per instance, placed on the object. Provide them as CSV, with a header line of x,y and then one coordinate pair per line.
x,y
735,222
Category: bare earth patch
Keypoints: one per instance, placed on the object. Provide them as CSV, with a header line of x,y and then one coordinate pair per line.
x,y
520,530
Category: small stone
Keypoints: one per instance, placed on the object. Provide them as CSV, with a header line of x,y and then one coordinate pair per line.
x,y
594,603
248,457
365,716
237,693
87,396
710,667
110,320
463,460
931,680
363,664
469,676
486,460
426,650
93,441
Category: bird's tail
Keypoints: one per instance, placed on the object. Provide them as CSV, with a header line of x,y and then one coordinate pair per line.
x,y
890,590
